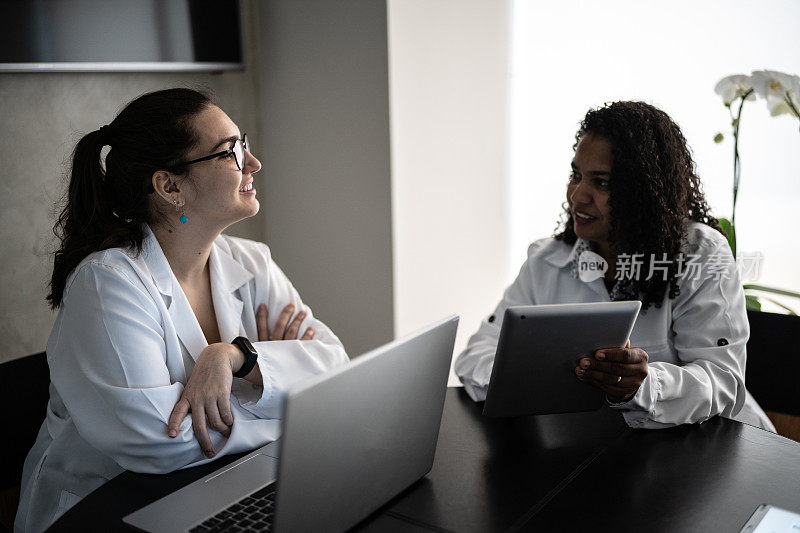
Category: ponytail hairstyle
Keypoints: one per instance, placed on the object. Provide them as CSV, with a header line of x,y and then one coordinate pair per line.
x,y
106,206
654,191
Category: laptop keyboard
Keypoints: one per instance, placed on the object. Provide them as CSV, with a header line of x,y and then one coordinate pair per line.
x,y
251,513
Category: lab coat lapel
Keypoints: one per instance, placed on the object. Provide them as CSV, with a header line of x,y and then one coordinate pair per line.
x,y
564,257
186,326
227,276
599,287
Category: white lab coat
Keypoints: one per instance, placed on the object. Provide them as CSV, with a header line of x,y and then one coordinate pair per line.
x,y
122,348
695,343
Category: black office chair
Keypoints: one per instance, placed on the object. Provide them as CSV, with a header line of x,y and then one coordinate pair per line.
x,y
773,353
24,385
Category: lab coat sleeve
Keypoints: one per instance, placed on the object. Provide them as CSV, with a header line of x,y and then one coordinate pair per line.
x,y
108,363
710,327
474,365
285,363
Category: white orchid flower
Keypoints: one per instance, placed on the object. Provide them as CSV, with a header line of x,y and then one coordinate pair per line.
x,y
732,87
776,88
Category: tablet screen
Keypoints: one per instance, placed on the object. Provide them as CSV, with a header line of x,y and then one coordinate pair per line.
x,y
778,521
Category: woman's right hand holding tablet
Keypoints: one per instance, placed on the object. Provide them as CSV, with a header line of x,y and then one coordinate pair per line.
x,y
619,372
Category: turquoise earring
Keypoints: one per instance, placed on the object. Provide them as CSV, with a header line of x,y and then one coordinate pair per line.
x,y
181,212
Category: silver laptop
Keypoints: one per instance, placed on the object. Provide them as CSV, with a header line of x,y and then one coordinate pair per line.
x,y
539,348
352,439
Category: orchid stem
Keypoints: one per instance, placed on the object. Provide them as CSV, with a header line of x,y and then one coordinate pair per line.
x,y
736,165
791,105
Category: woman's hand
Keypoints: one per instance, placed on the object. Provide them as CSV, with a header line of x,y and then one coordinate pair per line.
x,y
283,330
207,395
619,372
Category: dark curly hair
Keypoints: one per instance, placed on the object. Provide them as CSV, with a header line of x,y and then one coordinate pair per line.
x,y
106,206
653,183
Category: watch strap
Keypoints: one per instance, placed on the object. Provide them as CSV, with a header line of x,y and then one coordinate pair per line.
x,y
250,356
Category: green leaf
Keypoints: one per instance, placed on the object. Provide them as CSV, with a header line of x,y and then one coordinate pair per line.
x,y
750,286
730,233
776,302
752,302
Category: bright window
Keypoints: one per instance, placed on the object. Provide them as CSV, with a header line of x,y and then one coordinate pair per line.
x,y
572,55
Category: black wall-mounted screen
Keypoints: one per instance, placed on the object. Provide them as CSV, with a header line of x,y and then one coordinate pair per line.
x,y
120,35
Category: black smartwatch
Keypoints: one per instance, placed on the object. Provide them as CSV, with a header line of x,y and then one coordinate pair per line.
x,y
250,356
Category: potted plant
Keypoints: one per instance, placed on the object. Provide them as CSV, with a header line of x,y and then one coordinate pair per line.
x,y
774,343
782,94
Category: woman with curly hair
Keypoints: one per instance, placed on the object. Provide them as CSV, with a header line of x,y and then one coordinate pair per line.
x,y
634,198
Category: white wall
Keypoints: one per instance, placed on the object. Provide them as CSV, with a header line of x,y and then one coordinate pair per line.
x,y
448,83
325,123
572,55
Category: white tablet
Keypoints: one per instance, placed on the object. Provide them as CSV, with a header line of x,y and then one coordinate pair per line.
x,y
769,519
539,348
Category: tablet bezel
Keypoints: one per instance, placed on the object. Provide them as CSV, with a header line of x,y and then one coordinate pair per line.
x,y
558,335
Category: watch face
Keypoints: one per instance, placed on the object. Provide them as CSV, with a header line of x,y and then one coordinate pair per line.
x,y
247,344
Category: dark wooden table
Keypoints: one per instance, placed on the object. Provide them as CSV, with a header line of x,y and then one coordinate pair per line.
x,y
583,471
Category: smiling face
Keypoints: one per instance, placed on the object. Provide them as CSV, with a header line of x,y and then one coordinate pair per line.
x,y
588,189
220,194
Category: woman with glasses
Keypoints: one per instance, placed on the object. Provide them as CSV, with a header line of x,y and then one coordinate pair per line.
x,y
174,343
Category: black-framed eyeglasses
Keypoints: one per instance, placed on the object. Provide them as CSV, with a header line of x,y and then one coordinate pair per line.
x,y
238,151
